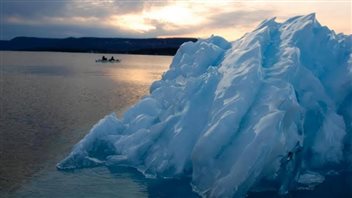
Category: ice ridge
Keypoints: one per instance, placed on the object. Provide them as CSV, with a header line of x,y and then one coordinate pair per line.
x,y
274,106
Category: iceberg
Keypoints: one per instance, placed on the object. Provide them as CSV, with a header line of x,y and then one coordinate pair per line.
x,y
273,107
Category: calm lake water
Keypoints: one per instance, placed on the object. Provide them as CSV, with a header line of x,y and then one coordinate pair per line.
x,y
49,101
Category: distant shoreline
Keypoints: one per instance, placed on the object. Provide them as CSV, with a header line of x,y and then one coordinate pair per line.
x,y
149,46
102,53
164,54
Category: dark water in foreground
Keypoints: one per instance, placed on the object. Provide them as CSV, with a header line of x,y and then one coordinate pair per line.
x,y
48,103
50,100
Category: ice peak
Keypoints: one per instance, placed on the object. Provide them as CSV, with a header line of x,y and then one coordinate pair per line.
x,y
271,22
304,19
309,17
267,23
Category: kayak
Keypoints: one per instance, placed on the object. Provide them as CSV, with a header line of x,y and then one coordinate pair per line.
x,y
107,61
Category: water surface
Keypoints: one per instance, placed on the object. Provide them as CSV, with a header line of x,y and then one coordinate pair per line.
x,y
49,101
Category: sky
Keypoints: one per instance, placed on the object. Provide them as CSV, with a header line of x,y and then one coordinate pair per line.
x,y
155,18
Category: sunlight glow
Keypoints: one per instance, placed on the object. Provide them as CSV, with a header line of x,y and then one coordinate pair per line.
x,y
169,17
175,14
131,22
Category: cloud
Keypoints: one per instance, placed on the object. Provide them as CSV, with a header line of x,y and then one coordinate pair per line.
x,y
216,23
33,8
143,18
76,14
120,18
239,18
64,30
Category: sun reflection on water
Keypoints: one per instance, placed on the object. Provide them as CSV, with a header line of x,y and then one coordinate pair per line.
x,y
137,76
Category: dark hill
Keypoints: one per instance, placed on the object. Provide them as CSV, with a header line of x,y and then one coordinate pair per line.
x,y
157,46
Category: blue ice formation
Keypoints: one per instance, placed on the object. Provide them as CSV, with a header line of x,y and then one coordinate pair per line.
x,y
274,107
